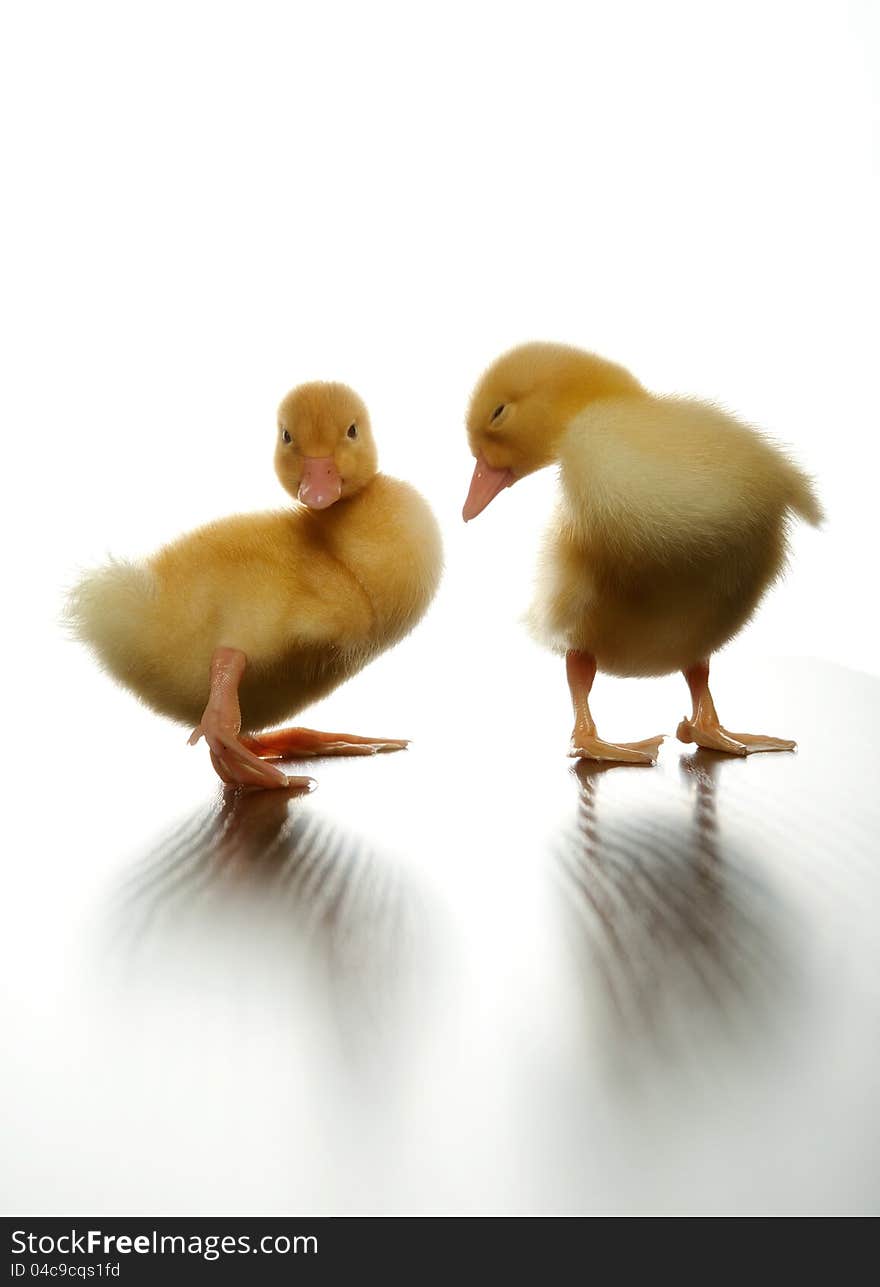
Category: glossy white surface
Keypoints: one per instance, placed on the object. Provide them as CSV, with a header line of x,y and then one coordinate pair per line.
x,y
463,978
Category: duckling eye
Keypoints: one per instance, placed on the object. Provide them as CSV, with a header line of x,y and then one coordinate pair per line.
x,y
352,431
497,412
285,436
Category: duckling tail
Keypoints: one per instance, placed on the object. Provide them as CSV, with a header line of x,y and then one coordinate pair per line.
x,y
108,611
802,497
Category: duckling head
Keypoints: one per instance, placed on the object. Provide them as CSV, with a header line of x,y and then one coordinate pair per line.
x,y
324,448
521,407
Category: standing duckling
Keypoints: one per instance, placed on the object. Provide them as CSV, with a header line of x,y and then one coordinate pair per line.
x,y
244,622
670,527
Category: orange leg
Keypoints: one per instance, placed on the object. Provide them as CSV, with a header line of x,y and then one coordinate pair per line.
x,y
585,743
705,728
220,725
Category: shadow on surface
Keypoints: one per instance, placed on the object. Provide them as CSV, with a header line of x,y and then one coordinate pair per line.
x,y
671,920
262,883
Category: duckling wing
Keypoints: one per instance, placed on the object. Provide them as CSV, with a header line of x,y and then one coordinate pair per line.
x,y
260,583
659,477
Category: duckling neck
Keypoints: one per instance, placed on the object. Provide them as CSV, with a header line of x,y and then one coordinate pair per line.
x,y
387,538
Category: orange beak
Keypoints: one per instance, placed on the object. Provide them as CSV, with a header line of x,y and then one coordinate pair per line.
x,y
485,486
320,484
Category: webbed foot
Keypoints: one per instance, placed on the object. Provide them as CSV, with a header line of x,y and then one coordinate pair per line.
x,y
305,743
591,747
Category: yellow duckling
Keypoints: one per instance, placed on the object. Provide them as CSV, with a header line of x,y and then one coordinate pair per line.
x,y
244,622
670,527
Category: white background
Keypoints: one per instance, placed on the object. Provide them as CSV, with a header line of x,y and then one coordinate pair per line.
x,y
207,204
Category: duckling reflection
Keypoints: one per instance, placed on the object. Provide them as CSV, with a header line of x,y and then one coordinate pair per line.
x,y
672,913
261,881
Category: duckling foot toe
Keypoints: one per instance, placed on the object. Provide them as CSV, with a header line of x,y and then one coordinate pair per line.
x,y
236,773
761,742
593,748
306,743
236,765
715,738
